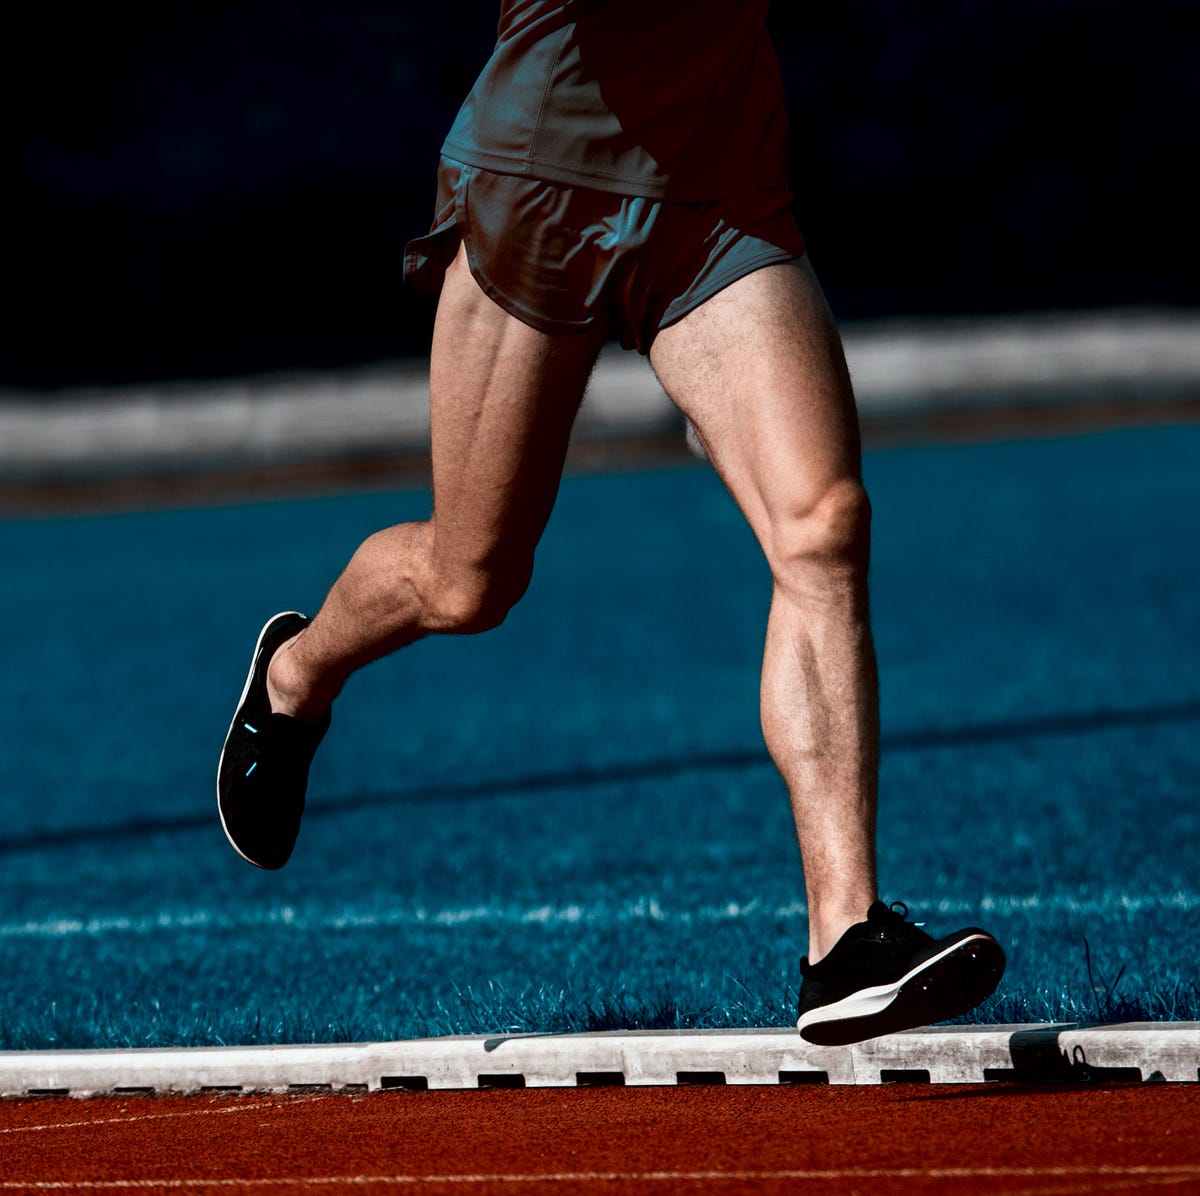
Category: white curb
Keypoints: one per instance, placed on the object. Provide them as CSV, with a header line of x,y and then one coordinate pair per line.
x,y
269,419
949,1055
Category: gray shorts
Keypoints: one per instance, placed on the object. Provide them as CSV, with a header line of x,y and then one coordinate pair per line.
x,y
564,259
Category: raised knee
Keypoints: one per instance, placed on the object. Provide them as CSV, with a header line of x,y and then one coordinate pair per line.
x,y
830,537
465,602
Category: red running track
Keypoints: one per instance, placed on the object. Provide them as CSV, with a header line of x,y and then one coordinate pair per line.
x,y
903,1139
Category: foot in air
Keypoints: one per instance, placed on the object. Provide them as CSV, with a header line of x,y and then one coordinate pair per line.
x,y
262,778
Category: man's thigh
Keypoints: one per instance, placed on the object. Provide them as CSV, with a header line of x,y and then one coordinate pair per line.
x,y
503,397
759,371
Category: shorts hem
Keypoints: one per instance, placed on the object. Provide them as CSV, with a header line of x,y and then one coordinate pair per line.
x,y
514,307
518,310
427,259
687,304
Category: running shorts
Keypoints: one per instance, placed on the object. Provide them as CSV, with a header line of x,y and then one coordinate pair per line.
x,y
563,259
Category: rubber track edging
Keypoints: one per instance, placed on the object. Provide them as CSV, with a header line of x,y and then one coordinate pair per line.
x,y
946,1055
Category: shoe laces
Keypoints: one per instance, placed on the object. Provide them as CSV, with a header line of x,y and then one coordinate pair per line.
x,y
891,921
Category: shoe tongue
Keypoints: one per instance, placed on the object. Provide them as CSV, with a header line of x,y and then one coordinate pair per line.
x,y
879,912
287,730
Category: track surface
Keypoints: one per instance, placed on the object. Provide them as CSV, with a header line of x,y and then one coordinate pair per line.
x,y
484,847
904,1139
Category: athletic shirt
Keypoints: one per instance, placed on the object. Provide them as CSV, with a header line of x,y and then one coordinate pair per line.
x,y
669,99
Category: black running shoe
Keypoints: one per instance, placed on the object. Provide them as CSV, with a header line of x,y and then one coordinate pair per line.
x,y
886,974
263,774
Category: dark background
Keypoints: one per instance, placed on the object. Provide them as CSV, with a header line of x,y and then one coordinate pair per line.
x,y
197,187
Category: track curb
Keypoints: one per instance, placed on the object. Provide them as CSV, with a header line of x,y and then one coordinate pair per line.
x,y
947,1055
1131,355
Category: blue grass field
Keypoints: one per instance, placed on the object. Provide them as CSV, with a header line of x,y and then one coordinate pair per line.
x,y
570,822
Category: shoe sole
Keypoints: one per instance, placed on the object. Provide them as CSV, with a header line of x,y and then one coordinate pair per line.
x,y
947,985
237,710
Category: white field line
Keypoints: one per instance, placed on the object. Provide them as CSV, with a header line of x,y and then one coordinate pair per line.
x,y
644,909
70,1125
1150,1173
1086,1187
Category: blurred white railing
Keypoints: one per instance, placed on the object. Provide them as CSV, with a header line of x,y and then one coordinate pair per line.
x,y
273,418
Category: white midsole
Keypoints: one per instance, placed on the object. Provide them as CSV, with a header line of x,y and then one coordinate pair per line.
x,y
236,710
869,1001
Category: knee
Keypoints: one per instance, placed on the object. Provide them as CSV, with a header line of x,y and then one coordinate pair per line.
x,y
465,601
824,544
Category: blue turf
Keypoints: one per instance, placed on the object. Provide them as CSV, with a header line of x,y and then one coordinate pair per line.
x,y
571,821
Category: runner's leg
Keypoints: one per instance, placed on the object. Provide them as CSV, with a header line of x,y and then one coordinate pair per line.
x,y
758,369
502,400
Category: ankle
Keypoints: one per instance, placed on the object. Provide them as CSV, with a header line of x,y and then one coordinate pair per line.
x,y
287,687
826,925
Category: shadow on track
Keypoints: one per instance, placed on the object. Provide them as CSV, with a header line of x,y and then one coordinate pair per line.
x,y
645,770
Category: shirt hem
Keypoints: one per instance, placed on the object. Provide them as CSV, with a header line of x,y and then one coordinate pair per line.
x,y
662,187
